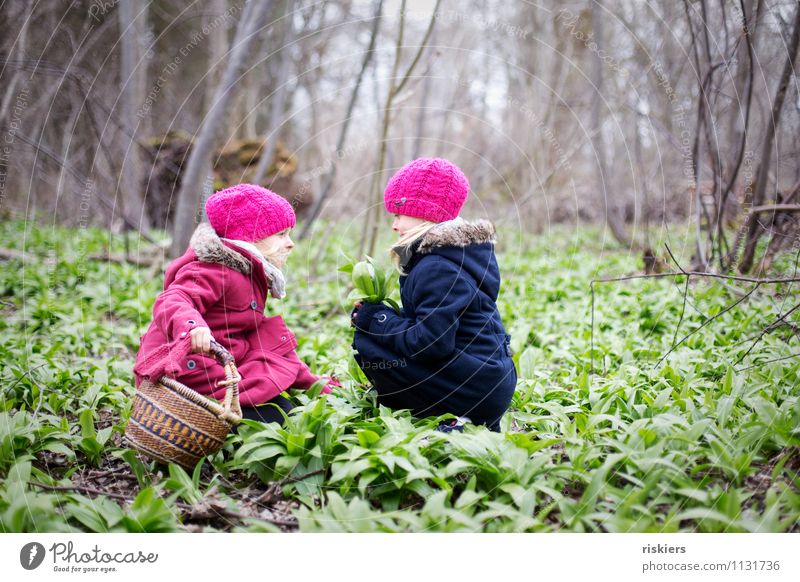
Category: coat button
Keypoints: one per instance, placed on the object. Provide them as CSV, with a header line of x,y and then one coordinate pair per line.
x,y
382,317
191,364
183,334
283,338
253,304
191,322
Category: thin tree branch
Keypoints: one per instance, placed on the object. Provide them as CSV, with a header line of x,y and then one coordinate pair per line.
x,y
184,507
767,329
765,281
317,208
706,322
789,357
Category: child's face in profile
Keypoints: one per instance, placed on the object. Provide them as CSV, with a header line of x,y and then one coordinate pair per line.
x,y
402,223
276,247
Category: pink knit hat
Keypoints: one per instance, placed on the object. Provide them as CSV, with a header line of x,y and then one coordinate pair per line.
x,y
428,188
248,212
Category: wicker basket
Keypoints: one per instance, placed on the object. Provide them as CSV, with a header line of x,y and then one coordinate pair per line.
x,y
172,423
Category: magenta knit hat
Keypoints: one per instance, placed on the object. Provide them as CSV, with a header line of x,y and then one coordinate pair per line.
x,y
248,212
428,188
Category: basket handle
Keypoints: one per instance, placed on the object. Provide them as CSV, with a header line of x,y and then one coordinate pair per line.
x,y
222,355
232,410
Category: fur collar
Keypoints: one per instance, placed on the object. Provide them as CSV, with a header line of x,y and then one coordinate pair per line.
x,y
457,233
210,248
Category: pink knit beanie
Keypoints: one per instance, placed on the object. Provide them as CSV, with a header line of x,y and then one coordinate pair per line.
x,y
248,212
428,188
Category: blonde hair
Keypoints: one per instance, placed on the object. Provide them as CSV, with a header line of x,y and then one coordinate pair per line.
x,y
273,254
408,239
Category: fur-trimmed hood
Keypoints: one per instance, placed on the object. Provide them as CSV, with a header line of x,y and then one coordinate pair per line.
x,y
457,233
470,245
210,248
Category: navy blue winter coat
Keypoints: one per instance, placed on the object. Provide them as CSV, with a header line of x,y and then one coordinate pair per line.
x,y
447,351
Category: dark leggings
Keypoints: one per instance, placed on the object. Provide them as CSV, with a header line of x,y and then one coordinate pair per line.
x,y
266,412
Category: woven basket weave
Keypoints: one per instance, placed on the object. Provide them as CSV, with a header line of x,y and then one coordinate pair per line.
x,y
172,423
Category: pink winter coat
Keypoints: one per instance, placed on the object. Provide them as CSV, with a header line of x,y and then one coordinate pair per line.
x,y
223,287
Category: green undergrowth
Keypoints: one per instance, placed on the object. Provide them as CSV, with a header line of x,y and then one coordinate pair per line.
x,y
616,439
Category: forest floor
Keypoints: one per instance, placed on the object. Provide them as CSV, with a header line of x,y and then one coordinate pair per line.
x,y
618,438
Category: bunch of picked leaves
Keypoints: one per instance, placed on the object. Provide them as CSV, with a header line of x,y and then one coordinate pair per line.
x,y
372,284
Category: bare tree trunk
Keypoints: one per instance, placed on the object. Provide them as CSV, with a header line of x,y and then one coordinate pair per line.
x,y
754,228
26,14
613,209
199,164
423,109
278,101
348,116
371,225
133,78
642,206
217,48
373,210
741,123
702,219
250,98
66,143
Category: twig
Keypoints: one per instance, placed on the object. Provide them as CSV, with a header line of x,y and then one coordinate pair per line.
x,y
789,357
776,208
27,372
773,281
685,294
81,489
276,486
674,260
286,480
767,329
706,322
186,507
683,311
94,475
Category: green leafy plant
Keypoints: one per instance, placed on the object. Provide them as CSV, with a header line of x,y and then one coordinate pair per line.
x,y
696,443
371,283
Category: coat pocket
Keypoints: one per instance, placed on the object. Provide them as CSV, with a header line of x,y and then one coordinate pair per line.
x,y
273,336
200,373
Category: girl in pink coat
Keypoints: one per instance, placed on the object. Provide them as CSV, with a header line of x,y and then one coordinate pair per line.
x,y
218,289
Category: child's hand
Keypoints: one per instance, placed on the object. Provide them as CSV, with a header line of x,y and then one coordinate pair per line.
x,y
356,306
201,340
331,382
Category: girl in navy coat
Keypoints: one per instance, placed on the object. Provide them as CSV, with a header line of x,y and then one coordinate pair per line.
x,y
447,351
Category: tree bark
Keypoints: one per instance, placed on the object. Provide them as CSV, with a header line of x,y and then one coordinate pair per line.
x,y
217,48
423,110
133,79
613,208
754,229
371,226
198,166
18,49
740,122
278,101
329,178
